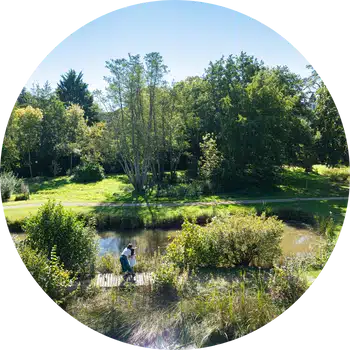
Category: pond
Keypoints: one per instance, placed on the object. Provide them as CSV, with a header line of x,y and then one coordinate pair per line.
x,y
146,241
297,239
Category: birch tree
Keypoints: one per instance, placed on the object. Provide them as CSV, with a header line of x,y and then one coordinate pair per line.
x,y
132,122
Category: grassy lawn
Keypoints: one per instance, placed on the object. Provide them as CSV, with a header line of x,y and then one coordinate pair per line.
x,y
294,182
172,216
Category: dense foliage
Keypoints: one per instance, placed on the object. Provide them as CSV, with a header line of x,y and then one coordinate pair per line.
x,y
88,172
49,273
235,126
227,241
8,184
75,242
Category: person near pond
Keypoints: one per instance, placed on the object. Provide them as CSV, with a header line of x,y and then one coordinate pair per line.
x,y
132,260
124,260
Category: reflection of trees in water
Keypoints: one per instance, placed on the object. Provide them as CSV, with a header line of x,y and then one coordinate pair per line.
x,y
147,241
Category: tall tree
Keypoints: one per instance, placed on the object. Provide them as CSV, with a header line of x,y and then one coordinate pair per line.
x,y
154,72
71,89
29,121
331,145
53,135
134,126
75,127
10,155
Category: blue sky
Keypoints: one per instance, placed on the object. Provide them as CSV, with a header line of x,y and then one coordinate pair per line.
x,y
187,34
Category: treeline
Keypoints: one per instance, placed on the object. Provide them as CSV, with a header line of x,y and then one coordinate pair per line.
x,y
238,123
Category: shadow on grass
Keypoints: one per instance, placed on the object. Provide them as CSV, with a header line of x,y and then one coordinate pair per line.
x,y
299,183
314,208
38,184
127,197
291,183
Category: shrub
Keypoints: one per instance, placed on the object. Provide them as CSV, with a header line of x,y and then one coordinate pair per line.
x,y
22,197
165,278
251,240
9,182
108,263
55,226
324,253
228,241
194,246
88,172
15,225
326,226
48,273
286,284
24,193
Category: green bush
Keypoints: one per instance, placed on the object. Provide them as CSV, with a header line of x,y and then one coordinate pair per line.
x,y
229,240
8,183
88,172
326,226
108,263
250,240
15,226
165,278
286,284
23,193
22,197
50,274
76,242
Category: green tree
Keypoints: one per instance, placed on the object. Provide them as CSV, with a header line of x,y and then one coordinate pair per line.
x,y
331,145
173,137
210,161
10,155
29,124
75,127
155,70
71,89
92,141
53,136
24,98
130,86
41,96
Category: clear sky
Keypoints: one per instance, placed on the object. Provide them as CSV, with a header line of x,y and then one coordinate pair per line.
x,y
187,34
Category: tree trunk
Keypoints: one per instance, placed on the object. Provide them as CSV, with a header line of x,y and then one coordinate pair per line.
x,y
30,165
308,169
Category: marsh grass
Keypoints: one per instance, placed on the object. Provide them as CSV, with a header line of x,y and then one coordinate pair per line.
x,y
206,312
195,307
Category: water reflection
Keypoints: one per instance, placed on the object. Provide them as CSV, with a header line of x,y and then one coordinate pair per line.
x,y
147,241
296,240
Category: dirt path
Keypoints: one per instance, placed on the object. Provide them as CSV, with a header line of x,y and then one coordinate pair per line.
x,y
177,204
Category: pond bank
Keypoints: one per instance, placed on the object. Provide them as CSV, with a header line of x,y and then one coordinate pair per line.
x,y
296,239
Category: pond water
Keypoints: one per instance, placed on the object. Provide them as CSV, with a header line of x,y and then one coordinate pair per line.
x,y
296,240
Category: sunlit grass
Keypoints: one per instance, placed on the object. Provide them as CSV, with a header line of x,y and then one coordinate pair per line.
x,y
294,182
63,189
170,217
